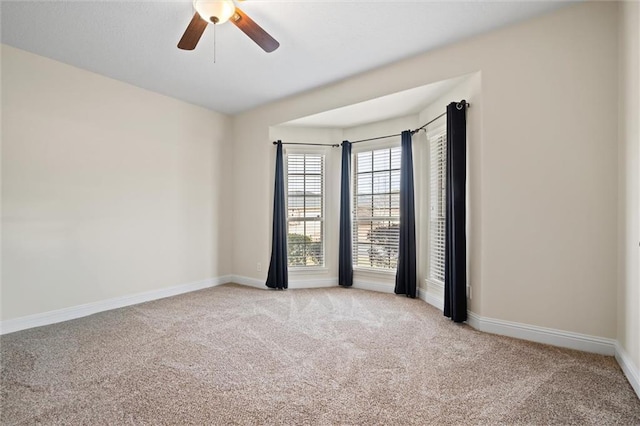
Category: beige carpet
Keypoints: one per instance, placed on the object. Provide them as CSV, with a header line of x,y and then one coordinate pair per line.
x,y
237,355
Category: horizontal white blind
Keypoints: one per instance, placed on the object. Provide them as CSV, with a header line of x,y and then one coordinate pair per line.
x,y
376,216
437,205
305,209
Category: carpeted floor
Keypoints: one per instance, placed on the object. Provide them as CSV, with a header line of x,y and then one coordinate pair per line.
x,y
238,355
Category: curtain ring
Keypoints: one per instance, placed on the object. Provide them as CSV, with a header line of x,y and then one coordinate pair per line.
x,y
460,105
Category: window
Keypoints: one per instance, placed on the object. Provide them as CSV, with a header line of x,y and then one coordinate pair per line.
x,y
305,210
437,204
376,219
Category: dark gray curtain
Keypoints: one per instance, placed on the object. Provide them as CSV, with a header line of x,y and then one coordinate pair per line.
x,y
278,276
455,258
406,271
345,254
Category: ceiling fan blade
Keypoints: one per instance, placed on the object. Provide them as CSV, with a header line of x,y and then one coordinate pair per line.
x,y
193,33
254,31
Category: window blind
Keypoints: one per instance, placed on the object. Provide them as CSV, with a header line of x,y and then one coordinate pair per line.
x,y
376,216
305,210
437,189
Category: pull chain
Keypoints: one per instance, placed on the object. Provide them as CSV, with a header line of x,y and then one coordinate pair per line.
x,y
214,43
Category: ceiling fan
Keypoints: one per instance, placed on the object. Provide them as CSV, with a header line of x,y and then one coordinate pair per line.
x,y
219,12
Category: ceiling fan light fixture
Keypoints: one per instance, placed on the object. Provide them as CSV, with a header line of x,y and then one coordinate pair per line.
x,y
217,12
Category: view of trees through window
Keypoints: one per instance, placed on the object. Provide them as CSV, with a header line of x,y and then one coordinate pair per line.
x,y
376,220
305,210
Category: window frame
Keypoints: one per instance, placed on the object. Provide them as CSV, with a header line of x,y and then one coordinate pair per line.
x,y
323,154
437,132
393,142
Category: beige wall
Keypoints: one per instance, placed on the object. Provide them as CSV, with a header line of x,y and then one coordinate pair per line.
x,y
629,207
108,190
546,164
469,89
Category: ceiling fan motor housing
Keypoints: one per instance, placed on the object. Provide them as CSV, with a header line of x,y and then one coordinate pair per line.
x,y
217,12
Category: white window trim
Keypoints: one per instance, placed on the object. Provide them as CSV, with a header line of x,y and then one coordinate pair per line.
x,y
375,271
308,270
392,142
434,132
304,270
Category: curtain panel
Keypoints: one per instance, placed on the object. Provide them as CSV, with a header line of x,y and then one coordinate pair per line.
x,y
278,276
455,259
345,252
406,275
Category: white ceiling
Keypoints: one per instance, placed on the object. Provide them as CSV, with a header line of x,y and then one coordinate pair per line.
x,y
320,41
395,105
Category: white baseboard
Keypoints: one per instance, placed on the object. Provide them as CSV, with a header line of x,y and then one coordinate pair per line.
x,y
373,286
323,283
630,370
293,284
549,336
73,312
314,283
249,282
433,300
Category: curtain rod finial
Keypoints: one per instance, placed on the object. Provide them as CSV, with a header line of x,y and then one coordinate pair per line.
x,y
462,104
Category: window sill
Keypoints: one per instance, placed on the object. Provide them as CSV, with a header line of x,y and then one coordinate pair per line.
x,y
308,271
374,271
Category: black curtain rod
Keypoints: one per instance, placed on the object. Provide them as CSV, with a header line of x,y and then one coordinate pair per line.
x,y
431,121
334,145
460,105
375,139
